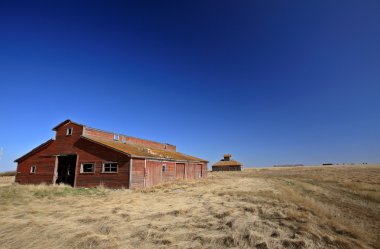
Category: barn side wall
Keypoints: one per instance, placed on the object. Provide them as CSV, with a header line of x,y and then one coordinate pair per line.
x,y
154,173
89,152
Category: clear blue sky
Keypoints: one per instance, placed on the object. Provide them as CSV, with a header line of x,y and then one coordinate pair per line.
x,y
271,82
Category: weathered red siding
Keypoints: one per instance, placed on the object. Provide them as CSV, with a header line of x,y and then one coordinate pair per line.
x,y
155,173
169,174
92,153
44,169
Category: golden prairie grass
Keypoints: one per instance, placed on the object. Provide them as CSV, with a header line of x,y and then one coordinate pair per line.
x,y
329,207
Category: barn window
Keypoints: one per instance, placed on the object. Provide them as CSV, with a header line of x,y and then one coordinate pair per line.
x,y
123,139
69,131
32,169
115,137
163,167
109,168
87,168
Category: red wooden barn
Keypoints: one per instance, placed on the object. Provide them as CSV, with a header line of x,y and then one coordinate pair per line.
x,y
86,157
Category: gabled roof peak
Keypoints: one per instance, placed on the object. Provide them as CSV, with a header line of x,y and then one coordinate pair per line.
x,y
65,122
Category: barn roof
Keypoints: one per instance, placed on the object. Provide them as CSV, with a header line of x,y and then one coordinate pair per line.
x,y
39,147
227,163
135,150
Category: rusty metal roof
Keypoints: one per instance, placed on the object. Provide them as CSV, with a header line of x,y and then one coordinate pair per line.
x,y
135,150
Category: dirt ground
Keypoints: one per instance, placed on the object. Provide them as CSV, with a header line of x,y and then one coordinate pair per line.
x,y
300,207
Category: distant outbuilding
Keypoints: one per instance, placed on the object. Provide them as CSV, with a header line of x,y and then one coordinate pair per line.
x,y
227,164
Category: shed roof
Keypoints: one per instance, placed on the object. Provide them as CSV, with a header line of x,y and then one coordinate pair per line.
x,y
135,150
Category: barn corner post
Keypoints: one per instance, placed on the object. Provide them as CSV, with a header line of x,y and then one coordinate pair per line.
x,y
76,171
130,173
55,173
186,166
145,173
175,170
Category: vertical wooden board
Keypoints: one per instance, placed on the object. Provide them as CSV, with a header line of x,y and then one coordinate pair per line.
x,y
149,174
153,173
199,170
138,171
170,172
180,171
190,171
204,168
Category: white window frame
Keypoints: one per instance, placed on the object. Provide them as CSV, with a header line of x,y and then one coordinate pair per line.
x,y
33,169
164,168
69,131
116,137
93,168
123,139
110,172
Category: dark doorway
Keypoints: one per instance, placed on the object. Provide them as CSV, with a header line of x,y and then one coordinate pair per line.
x,y
66,169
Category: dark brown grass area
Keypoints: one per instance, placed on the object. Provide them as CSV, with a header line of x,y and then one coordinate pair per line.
x,y
303,207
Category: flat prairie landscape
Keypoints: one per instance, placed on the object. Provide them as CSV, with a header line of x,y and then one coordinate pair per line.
x,y
300,207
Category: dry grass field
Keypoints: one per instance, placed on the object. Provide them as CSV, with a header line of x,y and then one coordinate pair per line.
x,y
302,207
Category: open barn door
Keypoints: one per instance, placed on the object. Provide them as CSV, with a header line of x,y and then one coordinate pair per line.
x,y
66,169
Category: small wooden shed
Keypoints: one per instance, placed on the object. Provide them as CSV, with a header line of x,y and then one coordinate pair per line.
x,y
227,164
